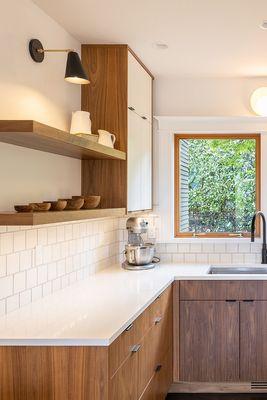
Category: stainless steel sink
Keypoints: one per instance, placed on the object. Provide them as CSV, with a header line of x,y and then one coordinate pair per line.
x,y
250,270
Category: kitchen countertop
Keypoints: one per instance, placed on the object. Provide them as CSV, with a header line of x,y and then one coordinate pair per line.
x,y
94,311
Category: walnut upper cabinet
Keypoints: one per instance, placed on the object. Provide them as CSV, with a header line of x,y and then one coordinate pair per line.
x,y
119,99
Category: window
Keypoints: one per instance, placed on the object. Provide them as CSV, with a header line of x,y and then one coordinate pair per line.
x,y
217,184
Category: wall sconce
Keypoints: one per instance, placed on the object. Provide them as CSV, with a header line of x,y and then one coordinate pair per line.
x,y
75,72
258,101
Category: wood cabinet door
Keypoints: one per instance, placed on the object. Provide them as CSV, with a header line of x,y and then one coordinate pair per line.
x,y
209,341
253,341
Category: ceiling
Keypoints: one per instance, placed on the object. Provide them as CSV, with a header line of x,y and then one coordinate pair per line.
x,y
205,37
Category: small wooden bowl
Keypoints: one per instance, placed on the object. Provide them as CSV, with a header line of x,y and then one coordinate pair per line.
x,y
39,207
89,201
58,205
23,208
74,204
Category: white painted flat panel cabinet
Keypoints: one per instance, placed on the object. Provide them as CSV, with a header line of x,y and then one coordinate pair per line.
x,y
139,136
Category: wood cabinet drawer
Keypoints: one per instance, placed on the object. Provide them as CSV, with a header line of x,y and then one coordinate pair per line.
x,y
154,348
123,385
121,348
223,290
160,306
159,385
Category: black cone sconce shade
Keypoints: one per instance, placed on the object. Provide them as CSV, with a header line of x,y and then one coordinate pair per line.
x,y
75,72
74,69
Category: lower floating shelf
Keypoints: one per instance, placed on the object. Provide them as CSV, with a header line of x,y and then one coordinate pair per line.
x,y
53,217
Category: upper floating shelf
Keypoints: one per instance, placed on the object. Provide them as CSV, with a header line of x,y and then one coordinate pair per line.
x,y
37,136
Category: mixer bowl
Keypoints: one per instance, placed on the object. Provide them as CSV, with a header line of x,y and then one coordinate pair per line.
x,y
139,254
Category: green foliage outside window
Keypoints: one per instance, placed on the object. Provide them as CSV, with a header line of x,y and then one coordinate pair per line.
x,y
222,184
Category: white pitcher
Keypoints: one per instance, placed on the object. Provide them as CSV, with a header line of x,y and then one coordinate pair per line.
x,y
106,138
80,123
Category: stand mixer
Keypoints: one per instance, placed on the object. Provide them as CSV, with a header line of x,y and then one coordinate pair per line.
x,y
139,254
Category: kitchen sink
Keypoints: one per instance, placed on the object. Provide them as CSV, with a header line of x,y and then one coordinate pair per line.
x,y
250,270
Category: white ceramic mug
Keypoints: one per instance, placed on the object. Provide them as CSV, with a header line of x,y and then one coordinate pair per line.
x,y
80,123
106,138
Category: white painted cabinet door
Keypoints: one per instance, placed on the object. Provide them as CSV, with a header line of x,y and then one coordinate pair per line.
x,y
139,163
146,165
139,88
134,162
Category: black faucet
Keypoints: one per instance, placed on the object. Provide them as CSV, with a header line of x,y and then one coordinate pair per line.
x,y
264,250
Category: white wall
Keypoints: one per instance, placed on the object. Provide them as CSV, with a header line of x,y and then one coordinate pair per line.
x,y
206,96
34,91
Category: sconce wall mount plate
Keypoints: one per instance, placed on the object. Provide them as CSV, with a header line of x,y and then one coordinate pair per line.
x,y
34,48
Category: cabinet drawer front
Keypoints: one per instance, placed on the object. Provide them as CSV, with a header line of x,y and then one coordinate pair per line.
x,y
158,387
123,385
161,305
222,290
122,347
156,344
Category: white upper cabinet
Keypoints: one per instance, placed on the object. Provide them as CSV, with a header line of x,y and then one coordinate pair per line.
x,y
139,88
139,153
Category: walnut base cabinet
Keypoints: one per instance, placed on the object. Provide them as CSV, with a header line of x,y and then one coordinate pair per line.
x,y
136,366
119,99
220,332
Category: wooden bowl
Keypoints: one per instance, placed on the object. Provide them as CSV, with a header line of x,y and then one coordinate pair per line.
x,y
74,204
58,205
89,201
23,208
39,207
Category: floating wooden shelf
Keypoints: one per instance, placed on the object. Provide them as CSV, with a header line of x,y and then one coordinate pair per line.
x,y
34,135
52,217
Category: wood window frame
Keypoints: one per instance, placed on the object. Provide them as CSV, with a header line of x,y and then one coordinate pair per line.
x,y
180,136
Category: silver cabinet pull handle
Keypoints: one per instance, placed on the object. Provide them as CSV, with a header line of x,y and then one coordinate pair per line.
x,y
143,117
129,327
157,320
131,108
136,348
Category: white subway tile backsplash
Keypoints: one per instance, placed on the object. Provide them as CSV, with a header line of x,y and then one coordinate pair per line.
x,y
42,275
6,287
37,292
19,282
42,236
6,243
25,298
2,307
12,263
12,303
3,270
183,248
31,278
31,239
25,260
19,241
232,247
171,248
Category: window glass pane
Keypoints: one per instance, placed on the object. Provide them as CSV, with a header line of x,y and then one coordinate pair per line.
x,y
217,185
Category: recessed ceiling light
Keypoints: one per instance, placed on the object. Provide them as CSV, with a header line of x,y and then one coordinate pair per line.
x,y
264,25
162,46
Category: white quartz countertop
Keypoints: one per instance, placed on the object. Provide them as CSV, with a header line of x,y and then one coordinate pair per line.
x,y
95,311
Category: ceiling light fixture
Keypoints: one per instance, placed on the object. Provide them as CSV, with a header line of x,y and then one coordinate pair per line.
x,y
75,72
258,101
